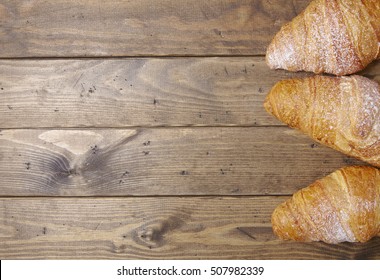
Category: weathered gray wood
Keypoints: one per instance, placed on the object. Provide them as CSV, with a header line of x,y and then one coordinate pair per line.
x,y
128,28
155,228
161,161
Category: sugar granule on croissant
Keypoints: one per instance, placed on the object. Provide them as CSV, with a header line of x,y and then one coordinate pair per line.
x,y
343,206
340,112
330,36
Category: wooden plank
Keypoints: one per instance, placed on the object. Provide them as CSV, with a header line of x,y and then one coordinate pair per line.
x,y
138,92
155,228
64,28
161,161
134,92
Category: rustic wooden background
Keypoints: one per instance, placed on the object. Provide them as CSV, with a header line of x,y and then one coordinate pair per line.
x,y
135,130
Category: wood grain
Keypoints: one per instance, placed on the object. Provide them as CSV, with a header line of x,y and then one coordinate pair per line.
x,y
138,92
161,161
155,228
64,28
170,156
135,92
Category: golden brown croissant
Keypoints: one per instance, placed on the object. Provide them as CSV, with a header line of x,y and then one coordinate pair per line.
x,y
343,206
340,112
331,36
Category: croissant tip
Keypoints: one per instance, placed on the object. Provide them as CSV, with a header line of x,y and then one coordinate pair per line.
x,y
285,225
270,57
270,102
268,106
280,222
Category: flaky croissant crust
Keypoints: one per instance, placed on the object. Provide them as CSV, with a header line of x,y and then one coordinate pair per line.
x,y
343,206
330,36
340,112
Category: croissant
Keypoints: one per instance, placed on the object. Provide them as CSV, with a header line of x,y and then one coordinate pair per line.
x,y
339,37
340,112
343,206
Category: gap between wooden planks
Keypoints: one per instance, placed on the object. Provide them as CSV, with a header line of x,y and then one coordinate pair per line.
x,y
155,228
219,91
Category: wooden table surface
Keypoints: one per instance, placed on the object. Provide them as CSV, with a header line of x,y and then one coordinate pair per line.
x,y
135,130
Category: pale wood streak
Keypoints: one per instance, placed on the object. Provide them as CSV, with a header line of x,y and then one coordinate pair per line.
x,y
162,161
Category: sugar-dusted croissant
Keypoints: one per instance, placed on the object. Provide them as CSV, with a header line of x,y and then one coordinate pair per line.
x,y
338,37
340,112
343,206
